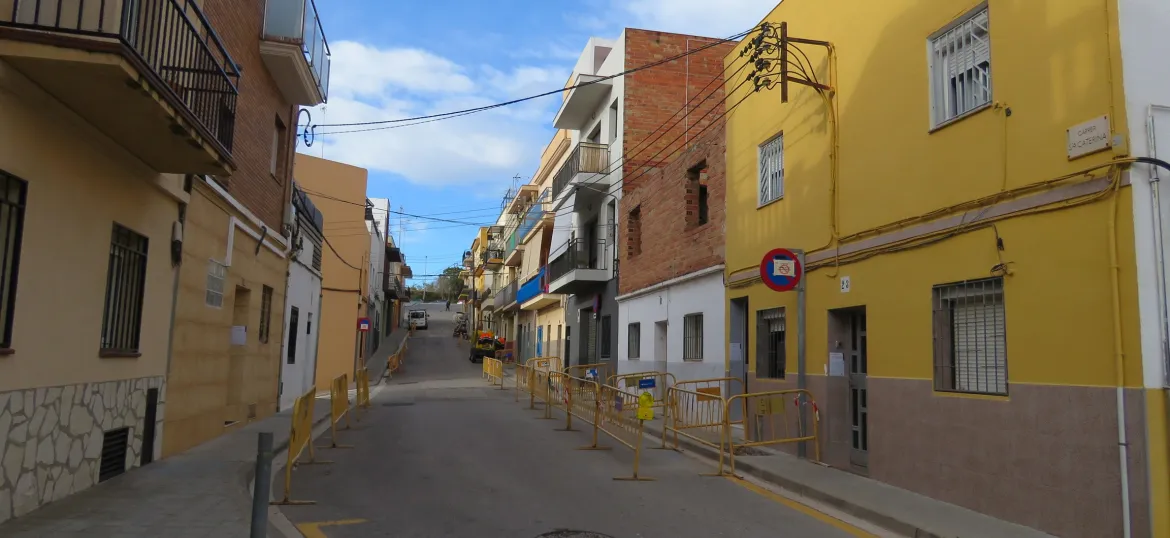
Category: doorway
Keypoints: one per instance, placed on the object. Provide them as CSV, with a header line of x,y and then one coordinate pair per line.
x,y
237,355
661,332
737,349
851,343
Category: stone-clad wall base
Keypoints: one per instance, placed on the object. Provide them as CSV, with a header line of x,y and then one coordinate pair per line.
x,y
51,438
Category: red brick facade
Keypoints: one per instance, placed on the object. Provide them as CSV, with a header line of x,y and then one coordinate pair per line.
x,y
240,24
663,237
654,122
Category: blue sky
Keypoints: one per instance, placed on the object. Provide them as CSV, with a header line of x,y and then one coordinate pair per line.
x,y
396,59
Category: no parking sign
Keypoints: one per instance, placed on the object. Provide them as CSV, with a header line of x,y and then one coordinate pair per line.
x,y
781,270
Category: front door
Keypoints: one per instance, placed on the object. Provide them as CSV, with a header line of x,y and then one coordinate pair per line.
x,y
858,392
737,347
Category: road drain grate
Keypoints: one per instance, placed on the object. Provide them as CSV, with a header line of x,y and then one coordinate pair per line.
x,y
567,533
397,404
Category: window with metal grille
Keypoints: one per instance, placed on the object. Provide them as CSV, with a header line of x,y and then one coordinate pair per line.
x,y
114,445
12,197
693,337
771,180
265,313
635,340
606,347
216,274
771,351
970,337
125,287
960,67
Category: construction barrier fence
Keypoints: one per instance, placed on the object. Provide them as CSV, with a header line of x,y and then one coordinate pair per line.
x,y
597,372
300,439
777,420
493,371
363,388
338,408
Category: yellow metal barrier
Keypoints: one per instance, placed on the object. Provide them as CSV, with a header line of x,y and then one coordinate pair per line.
x,y
622,420
393,363
698,411
534,365
522,375
363,388
661,381
300,438
597,371
493,371
338,407
768,407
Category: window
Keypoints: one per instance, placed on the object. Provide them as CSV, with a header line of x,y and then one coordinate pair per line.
x,y
634,237
293,326
635,340
771,180
960,67
696,195
693,337
265,312
771,352
216,274
125,287
12,197
279,150
317,256
970,337
605,337
613,122
309,324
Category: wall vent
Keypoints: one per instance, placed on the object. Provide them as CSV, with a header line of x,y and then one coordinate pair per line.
x,y
114,446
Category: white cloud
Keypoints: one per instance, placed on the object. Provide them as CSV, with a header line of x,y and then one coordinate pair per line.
x,y
697,17
370,84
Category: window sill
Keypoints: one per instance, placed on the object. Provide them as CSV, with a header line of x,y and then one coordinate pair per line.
x,y
692,360
960,117
769,202
973,395
4,351
118,354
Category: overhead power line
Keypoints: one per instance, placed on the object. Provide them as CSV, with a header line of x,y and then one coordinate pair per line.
x,y
417,120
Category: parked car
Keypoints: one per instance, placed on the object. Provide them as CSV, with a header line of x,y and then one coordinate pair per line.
x,y
418,319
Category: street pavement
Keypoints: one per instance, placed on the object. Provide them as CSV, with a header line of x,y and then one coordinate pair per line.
x,y
443,454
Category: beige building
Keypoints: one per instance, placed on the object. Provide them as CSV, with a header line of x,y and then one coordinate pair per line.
x,y
226,358
95,141
339,192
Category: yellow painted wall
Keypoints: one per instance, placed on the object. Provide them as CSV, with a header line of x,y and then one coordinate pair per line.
x,y
79,184
1050,65
212,383
344,224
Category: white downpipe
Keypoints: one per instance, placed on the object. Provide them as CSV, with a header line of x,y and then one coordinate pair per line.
x,y
1159,246
234,223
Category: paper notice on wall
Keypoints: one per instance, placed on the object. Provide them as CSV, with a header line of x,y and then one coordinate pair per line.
x,y
239,335
836,364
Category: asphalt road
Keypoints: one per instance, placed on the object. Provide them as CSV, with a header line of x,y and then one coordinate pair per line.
x,y
441,454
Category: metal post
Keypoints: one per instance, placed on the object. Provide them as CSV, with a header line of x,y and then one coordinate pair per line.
x,y
262,485
802,373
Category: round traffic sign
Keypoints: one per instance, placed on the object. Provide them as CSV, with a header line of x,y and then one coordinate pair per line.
x,y
780,270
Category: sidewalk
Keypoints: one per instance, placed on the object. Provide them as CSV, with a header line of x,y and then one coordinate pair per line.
x,y
203,492
376,363
898,510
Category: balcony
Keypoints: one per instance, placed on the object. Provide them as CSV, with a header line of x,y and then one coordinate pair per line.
x,y
506,297
152,76
578,268
534,295
583,166
295,51
582,102
514,249
468,259
487,300
492,258
523,197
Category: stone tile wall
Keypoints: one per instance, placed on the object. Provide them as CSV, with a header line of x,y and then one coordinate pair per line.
x,y
51,438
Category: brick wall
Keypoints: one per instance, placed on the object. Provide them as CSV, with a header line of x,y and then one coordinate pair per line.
x,y
239,24
659,95
672,241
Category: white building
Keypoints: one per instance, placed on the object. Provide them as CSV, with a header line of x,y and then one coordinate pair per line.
x,y
376,224
302,309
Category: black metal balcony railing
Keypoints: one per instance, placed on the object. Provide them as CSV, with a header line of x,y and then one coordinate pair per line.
x,y
580,254
587,157
491,254
171,37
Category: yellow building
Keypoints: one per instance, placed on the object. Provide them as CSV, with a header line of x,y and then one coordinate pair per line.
x,y
339,191
952,206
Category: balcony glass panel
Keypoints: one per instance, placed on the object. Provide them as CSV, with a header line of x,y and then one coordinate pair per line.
x,y
297,21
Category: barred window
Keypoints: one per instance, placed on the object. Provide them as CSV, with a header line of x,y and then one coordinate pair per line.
x,y
960,67
216,275
693,337
970,337
771,339
265,313
125,287
12,198
635,340
771,180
